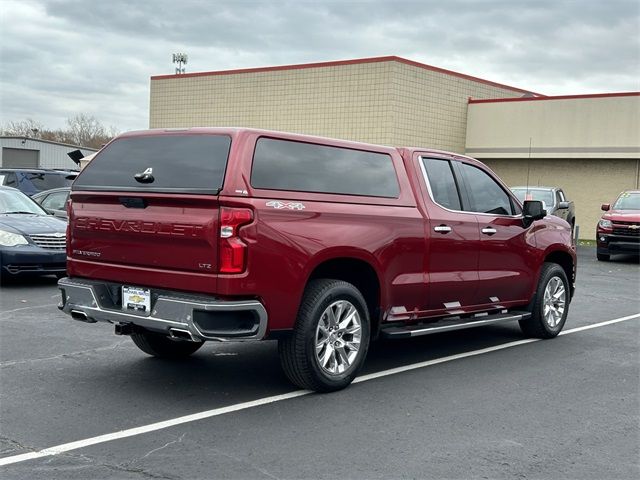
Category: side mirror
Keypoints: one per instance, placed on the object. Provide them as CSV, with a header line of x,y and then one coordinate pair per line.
x,y
532,210
606,207
563,205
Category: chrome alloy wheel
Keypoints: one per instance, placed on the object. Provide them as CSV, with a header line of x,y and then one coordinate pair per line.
x,y
338,337
554,301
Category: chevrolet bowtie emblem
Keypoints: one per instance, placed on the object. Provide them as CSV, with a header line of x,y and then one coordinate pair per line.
x,y
634,227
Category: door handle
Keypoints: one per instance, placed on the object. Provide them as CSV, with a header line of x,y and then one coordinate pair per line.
x,y
442,229
489,231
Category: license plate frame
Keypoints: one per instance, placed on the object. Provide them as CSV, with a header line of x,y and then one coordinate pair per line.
x,y
136,299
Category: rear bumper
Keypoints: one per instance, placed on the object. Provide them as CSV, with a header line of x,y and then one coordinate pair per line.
x,y
177,314
32,259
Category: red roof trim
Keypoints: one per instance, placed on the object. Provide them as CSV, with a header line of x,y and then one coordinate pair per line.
x,y
390,58
557,97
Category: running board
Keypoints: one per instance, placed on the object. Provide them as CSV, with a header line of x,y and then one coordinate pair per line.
x,y
451,324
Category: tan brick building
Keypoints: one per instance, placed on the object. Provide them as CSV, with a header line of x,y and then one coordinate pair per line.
x,y
386,100
579,141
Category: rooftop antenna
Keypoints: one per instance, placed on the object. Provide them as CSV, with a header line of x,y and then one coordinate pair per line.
x,y
180,59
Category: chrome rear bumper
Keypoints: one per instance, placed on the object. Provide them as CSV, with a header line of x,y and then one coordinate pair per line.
x,y
203,317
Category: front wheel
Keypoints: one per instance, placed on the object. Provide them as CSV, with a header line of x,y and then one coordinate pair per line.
x,y
551,305
162,346
603,257
330,339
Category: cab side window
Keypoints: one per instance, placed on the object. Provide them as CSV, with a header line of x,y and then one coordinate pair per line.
x,y
485,195
442,183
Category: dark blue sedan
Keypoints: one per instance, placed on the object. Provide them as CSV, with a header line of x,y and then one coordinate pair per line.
x,y
31,240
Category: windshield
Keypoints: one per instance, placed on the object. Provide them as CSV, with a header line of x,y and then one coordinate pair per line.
x,y
627,201
17,202
545,196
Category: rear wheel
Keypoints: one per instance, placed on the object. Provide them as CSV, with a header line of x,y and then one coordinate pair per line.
x,y
551,305
603,257
162,346
330,339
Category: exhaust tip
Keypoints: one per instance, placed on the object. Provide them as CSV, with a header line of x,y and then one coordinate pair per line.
x,y
81,316
180,334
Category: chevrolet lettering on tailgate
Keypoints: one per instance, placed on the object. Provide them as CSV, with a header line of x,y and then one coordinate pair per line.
x,y
138,226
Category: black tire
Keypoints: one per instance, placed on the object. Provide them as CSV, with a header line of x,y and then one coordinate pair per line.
x,y
162,346
603,257
537,326
298,351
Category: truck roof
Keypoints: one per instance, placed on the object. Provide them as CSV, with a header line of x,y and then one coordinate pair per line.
x,y
234,131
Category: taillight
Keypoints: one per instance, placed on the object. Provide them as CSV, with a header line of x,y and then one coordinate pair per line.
x,y
67,207
233,251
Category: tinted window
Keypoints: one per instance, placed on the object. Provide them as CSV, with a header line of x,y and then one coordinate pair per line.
x,y
286,165
40,181
55,201
183,163
442,183
485,195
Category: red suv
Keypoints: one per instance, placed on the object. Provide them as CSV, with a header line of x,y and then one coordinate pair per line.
x,y
178,237
618,230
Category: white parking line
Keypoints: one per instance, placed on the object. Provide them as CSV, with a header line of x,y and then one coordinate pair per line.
x,y
131,432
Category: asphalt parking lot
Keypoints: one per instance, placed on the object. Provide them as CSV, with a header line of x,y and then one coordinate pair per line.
x,y
479,404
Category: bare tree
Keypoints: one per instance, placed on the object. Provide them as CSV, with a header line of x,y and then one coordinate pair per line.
x,y
24,128
83,130
87,131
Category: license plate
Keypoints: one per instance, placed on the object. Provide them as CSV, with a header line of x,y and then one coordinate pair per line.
x,y
136,298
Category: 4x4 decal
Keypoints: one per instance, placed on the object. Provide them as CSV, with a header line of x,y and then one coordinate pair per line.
x,y
277,204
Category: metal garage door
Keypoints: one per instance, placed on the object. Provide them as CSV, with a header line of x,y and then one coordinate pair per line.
x,y
20,158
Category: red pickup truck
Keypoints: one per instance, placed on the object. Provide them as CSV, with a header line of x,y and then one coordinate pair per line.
x,y
188,235
618,231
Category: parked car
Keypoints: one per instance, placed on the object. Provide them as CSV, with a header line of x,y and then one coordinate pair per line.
x,y
33,180
205,234
54,201
31,240
618,230
554,199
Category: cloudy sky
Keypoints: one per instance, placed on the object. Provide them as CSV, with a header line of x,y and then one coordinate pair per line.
x,y
63,57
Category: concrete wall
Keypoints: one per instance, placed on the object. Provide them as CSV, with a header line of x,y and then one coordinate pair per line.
x,y
595,126
385,101
588,182
52,155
